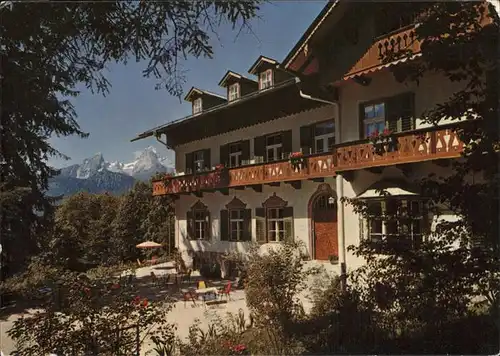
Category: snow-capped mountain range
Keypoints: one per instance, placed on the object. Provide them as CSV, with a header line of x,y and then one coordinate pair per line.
x,y
96,175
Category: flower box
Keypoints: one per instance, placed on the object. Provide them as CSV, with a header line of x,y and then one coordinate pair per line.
x,y
382,142
297,159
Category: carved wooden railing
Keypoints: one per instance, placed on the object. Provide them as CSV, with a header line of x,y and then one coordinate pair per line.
x,y
411,147
416,146
282,171
392,43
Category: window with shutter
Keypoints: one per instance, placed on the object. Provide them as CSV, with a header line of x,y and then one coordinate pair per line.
x,y
395,113
324,136
198,222
260,225
395,222
224,224
288,223
274,147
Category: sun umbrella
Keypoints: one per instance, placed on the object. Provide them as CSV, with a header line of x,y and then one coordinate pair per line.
x,y
148,244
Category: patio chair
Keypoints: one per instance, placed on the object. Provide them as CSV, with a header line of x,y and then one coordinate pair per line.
x,y
226,291
188,295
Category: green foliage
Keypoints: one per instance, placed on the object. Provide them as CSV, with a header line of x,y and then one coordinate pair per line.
x,y
91,315
50,51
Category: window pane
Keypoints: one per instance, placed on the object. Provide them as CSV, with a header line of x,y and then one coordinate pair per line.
x,y
235,214
272,213
331,142
281,225
279,153
375,209
236,147
375,226
379,110
272,235
234,225
233,162
369,112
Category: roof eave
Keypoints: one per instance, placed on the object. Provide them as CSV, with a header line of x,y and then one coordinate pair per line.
x,y
311,30
259,60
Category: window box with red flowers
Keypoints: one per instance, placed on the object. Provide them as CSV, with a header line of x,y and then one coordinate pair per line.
x,y
297,160
382,141
220,167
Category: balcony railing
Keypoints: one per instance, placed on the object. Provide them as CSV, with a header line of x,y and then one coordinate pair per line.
x,y
415,146
396,42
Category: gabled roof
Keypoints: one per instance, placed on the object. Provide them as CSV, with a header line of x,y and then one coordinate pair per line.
x,y
230,74
194,91
262,60
311,30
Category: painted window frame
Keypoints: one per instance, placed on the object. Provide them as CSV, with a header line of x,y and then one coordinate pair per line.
x,y
235,154
277,148
266,79
197,106
233,92
240,224
391,226
324,137
199,163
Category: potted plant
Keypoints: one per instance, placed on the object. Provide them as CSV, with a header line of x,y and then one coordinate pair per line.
x,y
220,167
382,141
297,160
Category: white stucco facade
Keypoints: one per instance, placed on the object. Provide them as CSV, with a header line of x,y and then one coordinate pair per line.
x,y
432,89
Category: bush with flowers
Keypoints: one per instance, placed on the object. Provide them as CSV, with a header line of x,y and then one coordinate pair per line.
x,y
95,316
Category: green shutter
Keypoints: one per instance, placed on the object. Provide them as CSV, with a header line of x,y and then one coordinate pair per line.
x,y
206,159
288,222
247,225
190,224
208,226
224,155
260,225
245,150
400,114
287,140
361,121
259,148
306,139
224,225
189,163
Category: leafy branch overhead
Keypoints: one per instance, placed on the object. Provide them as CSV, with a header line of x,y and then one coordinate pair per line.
x,y
49,51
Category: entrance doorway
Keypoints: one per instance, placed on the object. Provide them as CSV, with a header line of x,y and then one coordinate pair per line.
x,y
324,224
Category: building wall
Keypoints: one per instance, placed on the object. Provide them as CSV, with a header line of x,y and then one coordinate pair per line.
x,y
293,122
433,89
215,202
362,181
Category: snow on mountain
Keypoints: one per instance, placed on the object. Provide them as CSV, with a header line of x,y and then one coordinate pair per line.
x,y
96,175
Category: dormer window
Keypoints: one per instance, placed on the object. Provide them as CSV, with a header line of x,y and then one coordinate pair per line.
x,y
266,79
197,106
234,92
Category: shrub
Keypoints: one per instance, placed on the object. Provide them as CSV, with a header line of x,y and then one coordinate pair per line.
x,y
96,316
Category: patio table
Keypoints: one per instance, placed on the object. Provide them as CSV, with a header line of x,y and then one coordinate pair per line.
x,y
206,292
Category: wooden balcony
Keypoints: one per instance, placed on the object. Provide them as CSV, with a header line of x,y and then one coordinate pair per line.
x,y
315,166
416,146
396,42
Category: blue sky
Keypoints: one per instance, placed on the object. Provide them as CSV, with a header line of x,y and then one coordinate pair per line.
x,y
133,105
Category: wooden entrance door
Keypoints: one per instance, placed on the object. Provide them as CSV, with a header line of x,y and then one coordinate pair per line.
x,y
325,228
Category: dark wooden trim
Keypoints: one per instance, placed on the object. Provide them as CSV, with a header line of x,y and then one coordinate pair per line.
x,y
317,180
376,170
274,184
257,188
224,191
241,187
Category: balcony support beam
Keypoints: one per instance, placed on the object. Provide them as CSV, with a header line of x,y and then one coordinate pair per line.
x,y
257,188
317,180
297,184
274,184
